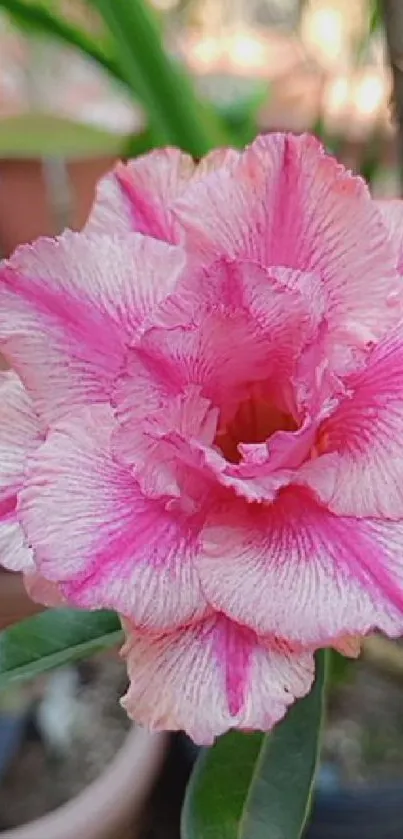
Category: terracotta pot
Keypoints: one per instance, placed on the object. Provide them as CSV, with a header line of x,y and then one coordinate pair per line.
x,y
26,210
110,807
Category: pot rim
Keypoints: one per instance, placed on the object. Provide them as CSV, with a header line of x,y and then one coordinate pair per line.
x,y
110,801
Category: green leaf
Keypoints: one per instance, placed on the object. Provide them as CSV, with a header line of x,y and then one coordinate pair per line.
x,y
36,18
137,144
175,112
241,114
54,638
375,16
36,135
258,786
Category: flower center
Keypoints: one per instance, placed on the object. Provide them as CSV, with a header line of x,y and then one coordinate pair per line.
x,y
254,422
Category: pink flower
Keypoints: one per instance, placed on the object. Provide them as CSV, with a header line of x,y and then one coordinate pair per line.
x,y
216,373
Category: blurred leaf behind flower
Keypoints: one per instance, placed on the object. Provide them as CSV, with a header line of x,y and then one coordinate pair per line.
x,y
128,45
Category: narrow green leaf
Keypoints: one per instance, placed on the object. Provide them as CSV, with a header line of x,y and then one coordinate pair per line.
x,y
175,112
258,786
38,19
137,144
54,638
375,16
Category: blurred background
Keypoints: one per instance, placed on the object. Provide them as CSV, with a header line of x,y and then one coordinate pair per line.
x,y
82,84
318,65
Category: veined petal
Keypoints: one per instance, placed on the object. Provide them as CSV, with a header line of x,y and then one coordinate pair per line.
x,y
392,214
98,537
69,307
157,446
139,196
256,332
359,470
15,554
20,434
210,677
296,570
188,375
265,467
287,203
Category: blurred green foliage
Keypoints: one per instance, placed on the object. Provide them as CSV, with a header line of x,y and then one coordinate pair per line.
x,y
42,18
133,54
44,135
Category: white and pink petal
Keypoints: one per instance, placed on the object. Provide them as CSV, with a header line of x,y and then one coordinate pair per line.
x,y
209,373
20,434
358,470
295,570
15,553
138,196
99,538
287,203
256,333
210,677
70,306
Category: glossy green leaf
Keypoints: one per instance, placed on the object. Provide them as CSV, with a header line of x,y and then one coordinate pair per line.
x,y
53,638
36,18
256,786
175,112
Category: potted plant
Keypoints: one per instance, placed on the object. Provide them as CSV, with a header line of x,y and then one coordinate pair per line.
x,y
112,803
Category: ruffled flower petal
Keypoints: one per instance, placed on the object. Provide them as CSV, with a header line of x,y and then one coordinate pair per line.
x,y
20,434
287,203
70,306
187,377
296,570
212,676
99,538
358,470
138,196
